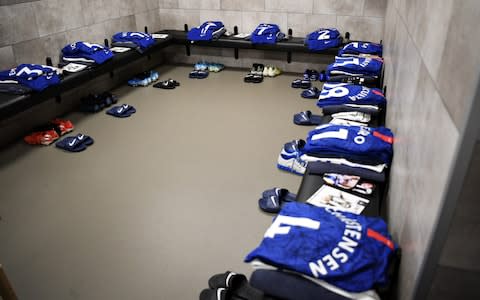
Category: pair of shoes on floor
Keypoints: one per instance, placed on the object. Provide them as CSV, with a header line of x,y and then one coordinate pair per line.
x,y
257,69
272,199
47,134
144,79
198,74
311,75
253,78
96,102
271,71
301,84
230,285
208,66
168,84
75,143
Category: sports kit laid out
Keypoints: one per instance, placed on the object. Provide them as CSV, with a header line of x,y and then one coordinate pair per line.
x,y
85,53
323,38
136,40
326,248
266,34
208,31
323,246
28,77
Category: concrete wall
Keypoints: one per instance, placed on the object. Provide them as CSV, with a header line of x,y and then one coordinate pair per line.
x,y
32,30
432,69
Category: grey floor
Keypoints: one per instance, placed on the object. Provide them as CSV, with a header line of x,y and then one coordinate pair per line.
x,y
160,202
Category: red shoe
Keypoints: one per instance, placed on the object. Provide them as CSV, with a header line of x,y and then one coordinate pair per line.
x,y
65,126
42,137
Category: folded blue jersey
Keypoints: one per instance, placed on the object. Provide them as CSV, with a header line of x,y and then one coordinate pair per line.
x,y
323,38
139,40
208,31
35,77
86,53
356,48
356,143
355,66
338,94
266,34
349,251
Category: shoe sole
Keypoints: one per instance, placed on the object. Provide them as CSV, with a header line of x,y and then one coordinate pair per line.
x,y
287,169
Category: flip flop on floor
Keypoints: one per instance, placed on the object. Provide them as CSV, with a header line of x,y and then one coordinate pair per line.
x,y
84,139
281,193
167,85
307,118
301,83
122,111
273,204
311,93
214,294
198,74
226,280
176,83
253,78
71,144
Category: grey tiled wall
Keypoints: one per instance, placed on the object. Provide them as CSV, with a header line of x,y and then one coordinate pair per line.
x,y
431,72
33,30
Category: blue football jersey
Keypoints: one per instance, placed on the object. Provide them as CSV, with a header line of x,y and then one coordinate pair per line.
x,y
139,40
86,53
35,77
355,66
356,143
347,250
207,31
266,34
323,38
338,94
356,48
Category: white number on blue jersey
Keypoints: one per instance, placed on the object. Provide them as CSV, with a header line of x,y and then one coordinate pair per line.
x,y
335,92
323,35
277,228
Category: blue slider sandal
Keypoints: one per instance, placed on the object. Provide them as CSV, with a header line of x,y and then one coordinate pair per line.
x,y
71,144
307,118
311,93
280,193
198,74
271,204
84,139
122,111
301,84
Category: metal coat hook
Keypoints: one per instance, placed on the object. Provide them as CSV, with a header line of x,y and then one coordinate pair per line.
x,y
235,50
187,46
